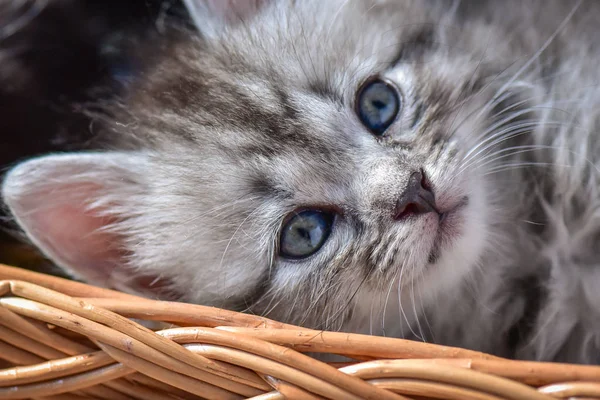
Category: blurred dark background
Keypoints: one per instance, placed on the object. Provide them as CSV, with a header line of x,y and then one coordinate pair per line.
x,y
56,57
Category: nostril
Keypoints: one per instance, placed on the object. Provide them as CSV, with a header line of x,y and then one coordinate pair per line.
x,y
409,210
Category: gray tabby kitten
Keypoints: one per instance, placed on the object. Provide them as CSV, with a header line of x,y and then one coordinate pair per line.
x,y
420,169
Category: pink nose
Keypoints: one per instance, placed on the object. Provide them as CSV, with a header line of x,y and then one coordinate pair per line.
x,y
418,198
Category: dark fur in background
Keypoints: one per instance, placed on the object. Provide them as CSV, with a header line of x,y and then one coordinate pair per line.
x,y
57,57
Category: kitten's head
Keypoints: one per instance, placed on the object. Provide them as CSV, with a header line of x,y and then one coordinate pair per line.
x,y
299,158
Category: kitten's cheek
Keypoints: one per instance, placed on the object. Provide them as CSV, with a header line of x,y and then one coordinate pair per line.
x,y
463,237
451,225
438,233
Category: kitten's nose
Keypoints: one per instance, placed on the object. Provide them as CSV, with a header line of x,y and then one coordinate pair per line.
x,y
418,198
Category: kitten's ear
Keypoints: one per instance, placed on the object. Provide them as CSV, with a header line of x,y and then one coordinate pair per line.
x,y
212,16
68,204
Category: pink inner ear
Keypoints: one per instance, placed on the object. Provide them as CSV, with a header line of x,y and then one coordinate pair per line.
x,y
74,238
67,211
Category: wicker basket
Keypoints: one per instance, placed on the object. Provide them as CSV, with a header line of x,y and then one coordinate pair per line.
x,y
66,340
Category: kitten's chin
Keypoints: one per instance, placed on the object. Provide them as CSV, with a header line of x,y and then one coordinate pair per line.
x,y
457,248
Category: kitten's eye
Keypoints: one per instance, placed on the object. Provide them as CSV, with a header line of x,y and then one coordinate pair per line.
x,y
305,233
377,105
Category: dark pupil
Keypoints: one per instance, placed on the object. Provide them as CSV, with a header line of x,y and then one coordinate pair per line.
x,y
304,234
380,105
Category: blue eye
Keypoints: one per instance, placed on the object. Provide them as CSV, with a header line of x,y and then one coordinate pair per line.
x,y
377,105
305,233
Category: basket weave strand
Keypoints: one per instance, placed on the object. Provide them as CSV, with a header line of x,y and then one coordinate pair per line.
x,y
64,340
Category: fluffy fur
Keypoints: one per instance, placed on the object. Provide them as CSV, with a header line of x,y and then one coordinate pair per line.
x,y
230,131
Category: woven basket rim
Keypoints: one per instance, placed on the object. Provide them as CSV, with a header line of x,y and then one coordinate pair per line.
x,y
92,347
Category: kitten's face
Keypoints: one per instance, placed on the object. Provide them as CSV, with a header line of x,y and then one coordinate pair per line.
x,y
276,160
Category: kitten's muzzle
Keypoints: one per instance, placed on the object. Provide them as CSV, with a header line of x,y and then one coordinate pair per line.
x,y
418,198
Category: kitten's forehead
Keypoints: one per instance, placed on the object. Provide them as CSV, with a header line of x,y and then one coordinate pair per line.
x,y
293,47
279,140
328,47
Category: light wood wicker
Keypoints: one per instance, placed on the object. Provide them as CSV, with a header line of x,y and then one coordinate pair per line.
x,y
65,340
